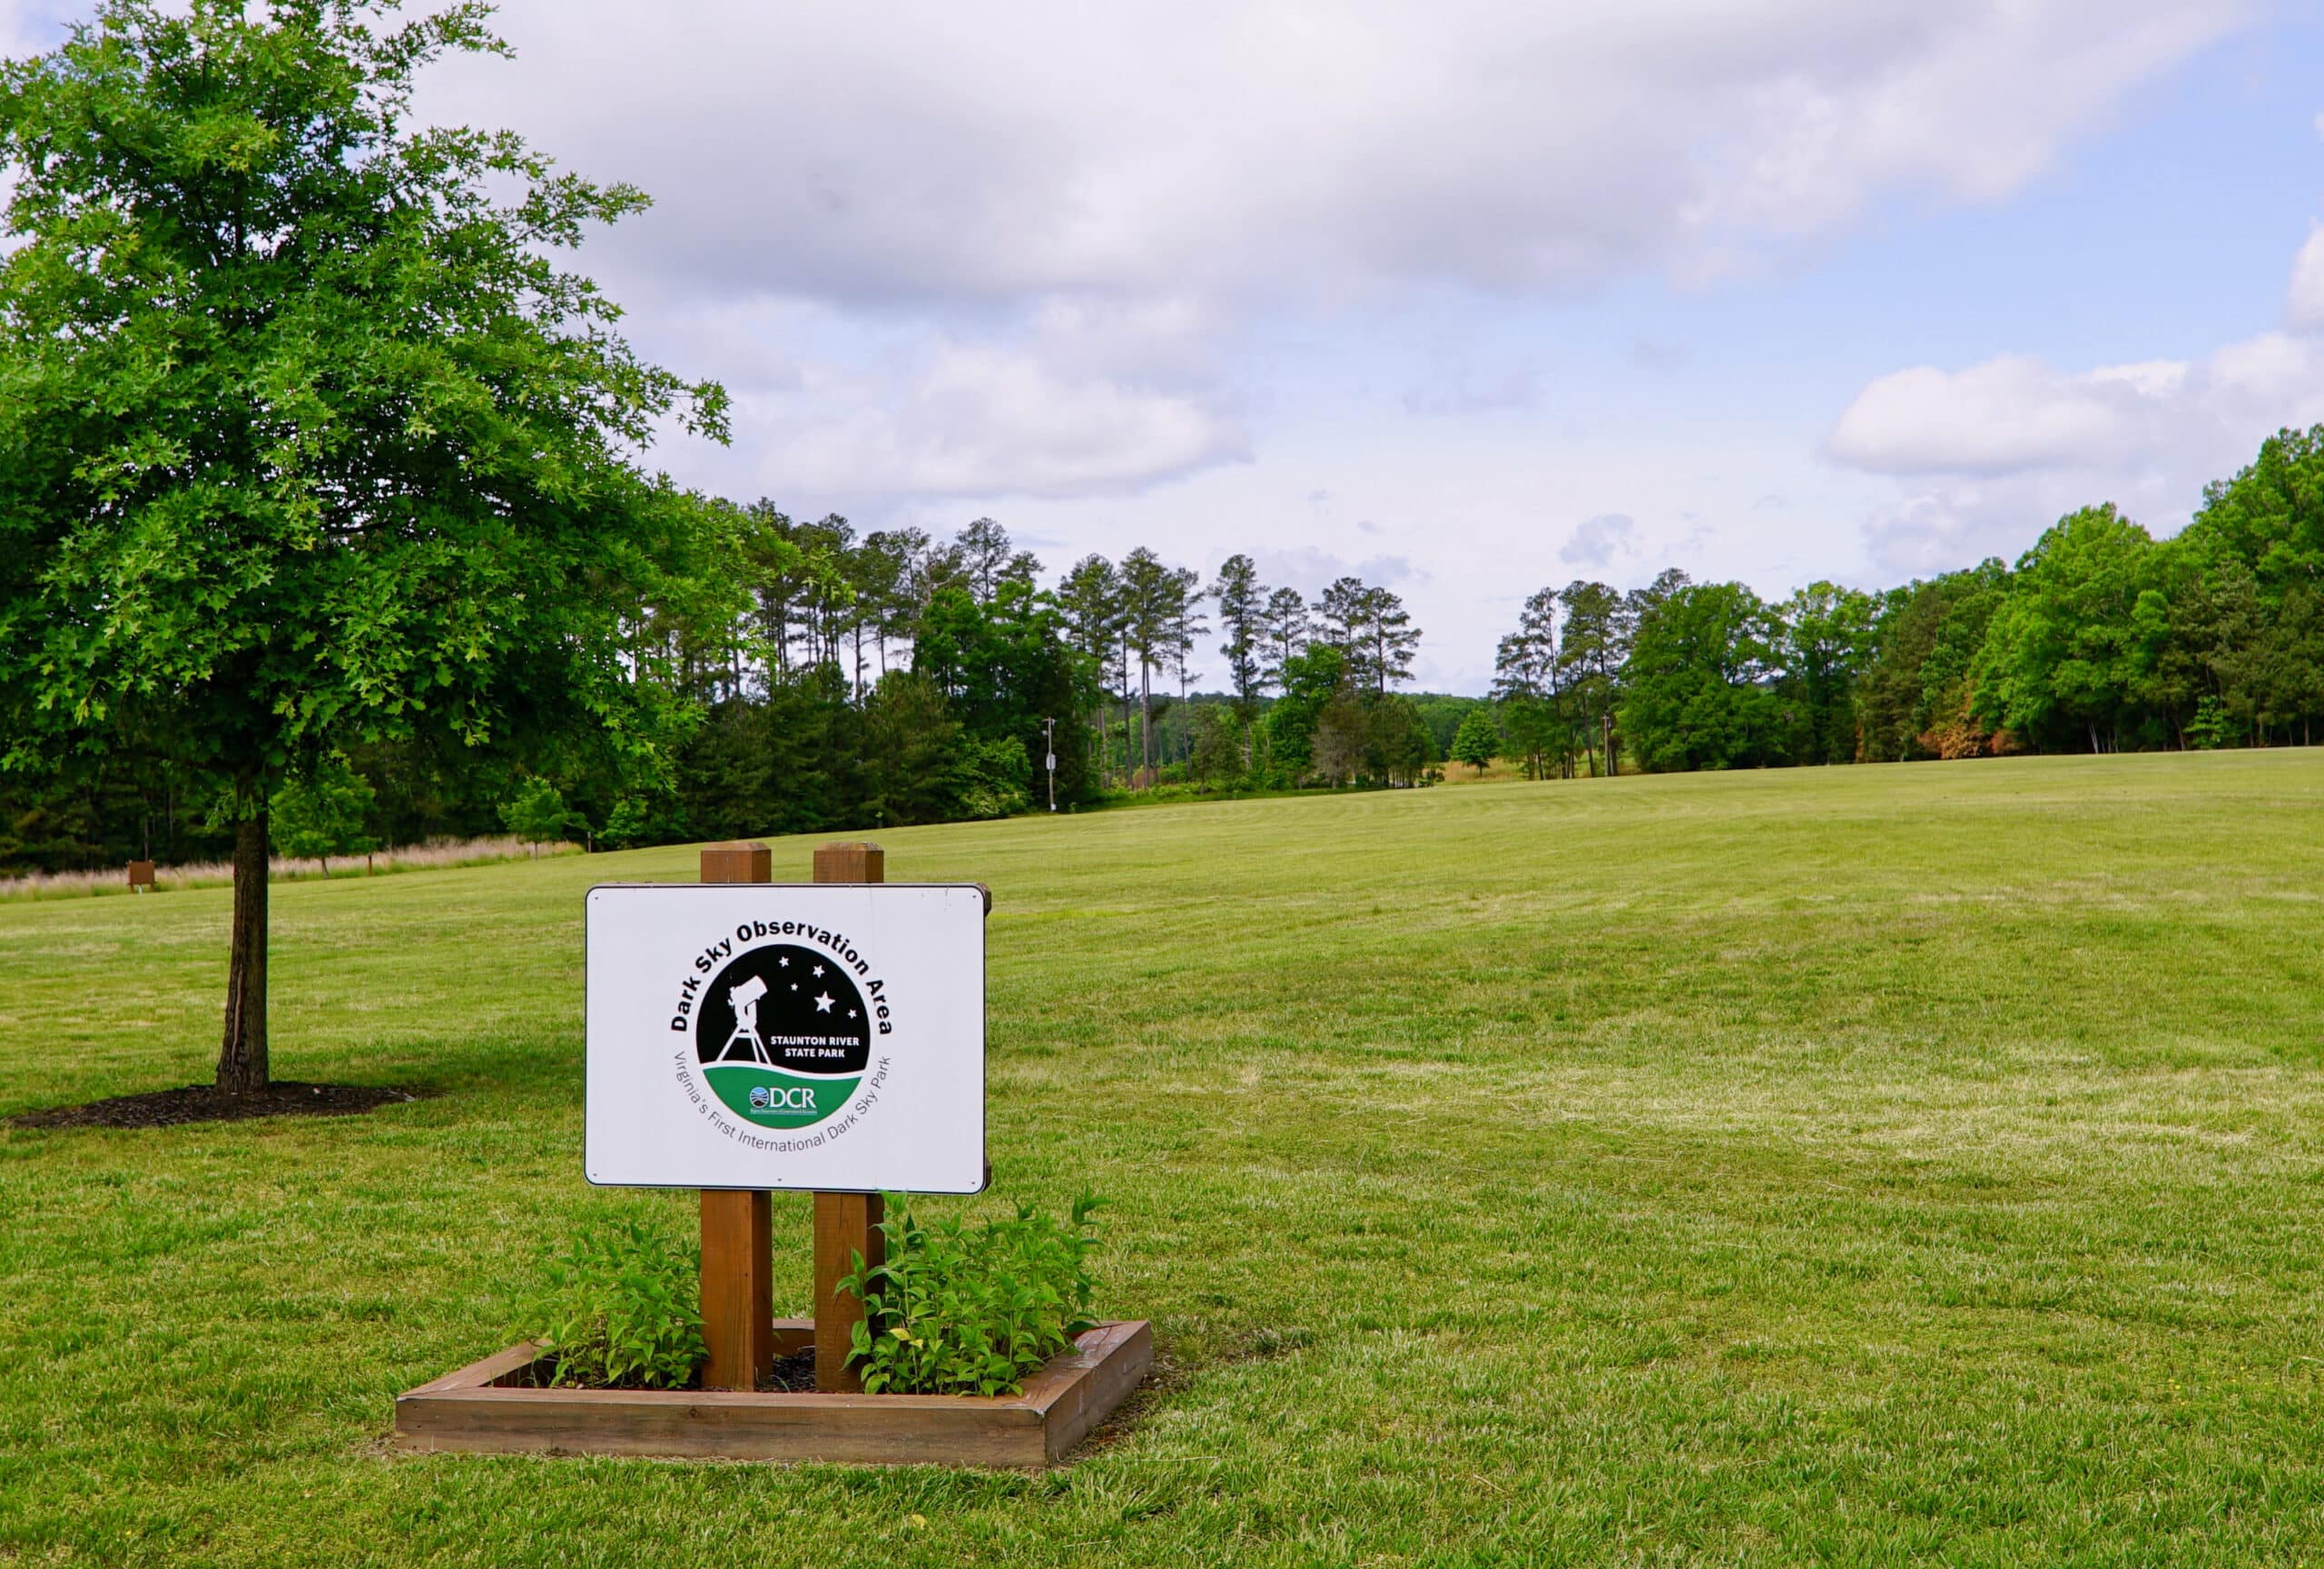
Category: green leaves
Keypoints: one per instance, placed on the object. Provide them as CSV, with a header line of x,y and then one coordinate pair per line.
x,y
619,1310
321,813
1478,741
957,1310
306,442
538,812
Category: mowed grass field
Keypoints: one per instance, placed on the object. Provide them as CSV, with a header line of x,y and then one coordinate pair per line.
x,y
1849,1166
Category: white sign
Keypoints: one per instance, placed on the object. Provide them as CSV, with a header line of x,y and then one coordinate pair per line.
x,y
825,1036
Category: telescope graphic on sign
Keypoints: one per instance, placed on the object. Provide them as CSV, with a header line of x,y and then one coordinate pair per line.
x,y
744,1001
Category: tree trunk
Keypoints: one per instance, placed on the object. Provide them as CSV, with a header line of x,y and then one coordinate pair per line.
x,y
1125,675
1145,717
241,1056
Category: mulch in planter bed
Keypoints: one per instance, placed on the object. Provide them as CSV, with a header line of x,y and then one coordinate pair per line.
x,y
207,1103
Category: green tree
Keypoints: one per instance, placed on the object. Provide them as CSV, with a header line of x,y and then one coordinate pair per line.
x,y
787,762
2270,519
1242,612
1371,628
1391,639
1005,666
1478,741
322,814
913,753
1285,632
1311,678
1915,682
538,814
1217,755
1824,632
1090,600
1401,745
2062,655
2270,516
1341,747
1153,623
1593,648
306,442
1525,680
1697,691
988,559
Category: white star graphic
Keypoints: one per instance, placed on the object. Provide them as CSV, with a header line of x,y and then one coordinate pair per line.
x,y
819,971
823,1003
785,962
794,985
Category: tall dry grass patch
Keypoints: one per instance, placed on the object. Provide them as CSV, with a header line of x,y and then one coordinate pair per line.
x,y
433,854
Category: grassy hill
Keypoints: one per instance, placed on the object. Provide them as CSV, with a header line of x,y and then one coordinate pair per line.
x,y
1841,1165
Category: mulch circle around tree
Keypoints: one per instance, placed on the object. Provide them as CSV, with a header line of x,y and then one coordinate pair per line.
x,y
206,1103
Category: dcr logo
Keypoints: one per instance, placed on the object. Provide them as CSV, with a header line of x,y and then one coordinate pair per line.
x,y
782,1098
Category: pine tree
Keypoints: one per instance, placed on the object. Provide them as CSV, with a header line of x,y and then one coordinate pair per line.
x,y
1286,631
1242,610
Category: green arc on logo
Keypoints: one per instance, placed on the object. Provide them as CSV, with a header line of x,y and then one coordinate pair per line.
x,y
770,1098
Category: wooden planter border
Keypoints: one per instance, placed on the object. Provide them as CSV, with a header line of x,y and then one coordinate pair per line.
x,y
478,1409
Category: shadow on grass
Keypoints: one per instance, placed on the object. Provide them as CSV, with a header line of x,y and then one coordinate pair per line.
x,y
527,1069
207,1103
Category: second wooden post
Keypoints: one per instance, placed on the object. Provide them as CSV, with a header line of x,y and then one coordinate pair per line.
x,y
845,1223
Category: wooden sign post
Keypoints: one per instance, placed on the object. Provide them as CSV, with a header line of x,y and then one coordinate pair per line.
x,y
824,1038
737,1228
845,1223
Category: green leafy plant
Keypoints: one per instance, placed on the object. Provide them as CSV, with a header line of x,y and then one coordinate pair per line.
x,y
538,812
619,1310
321,813
969,1310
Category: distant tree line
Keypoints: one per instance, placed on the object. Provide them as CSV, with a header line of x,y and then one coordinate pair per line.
x,y
856,680
840,680
2100,639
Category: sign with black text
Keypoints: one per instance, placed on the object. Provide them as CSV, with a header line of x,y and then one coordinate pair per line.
x,y
822,1036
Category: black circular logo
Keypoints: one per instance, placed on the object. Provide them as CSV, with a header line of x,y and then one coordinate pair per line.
x,y
783,1035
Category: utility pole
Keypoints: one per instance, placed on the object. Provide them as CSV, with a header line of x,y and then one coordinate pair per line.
x,y
1048,734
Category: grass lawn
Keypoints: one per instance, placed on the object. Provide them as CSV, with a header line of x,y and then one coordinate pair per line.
x,y
1852,1165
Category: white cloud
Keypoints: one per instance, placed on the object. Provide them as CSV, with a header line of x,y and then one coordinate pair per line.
x,y
957,152
1094,205
2008,414
2305,306
1598,540
2016,415
976,420
1988,456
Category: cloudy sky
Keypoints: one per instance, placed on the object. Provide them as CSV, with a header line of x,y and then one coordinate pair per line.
x,y
1466,298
